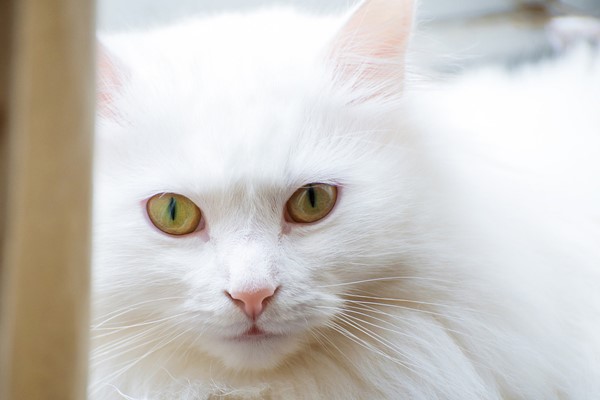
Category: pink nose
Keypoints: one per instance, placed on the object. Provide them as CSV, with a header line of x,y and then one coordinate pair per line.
x,y
252,302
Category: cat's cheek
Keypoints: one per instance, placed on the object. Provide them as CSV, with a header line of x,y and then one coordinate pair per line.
x,y
202,231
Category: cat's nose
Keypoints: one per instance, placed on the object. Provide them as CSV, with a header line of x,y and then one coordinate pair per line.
x,y
252,302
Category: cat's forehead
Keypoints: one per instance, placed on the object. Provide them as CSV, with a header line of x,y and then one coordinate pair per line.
x,y
249,112
260,151
229,51
240,154
234,78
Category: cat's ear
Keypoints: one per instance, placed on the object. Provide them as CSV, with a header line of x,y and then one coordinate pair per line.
x,y
368,52
109,80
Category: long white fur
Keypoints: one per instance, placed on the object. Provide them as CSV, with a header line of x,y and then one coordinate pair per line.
x,y
461,261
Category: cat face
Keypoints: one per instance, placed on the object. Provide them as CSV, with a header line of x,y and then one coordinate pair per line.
x,y
237,147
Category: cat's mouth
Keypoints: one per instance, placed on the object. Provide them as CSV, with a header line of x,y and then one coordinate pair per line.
x,y
254,347
254,334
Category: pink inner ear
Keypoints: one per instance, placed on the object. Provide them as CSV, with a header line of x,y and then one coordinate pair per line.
x,y
370,48
109,81
379,28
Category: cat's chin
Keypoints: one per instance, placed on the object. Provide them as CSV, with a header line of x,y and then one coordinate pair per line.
x,y
253,352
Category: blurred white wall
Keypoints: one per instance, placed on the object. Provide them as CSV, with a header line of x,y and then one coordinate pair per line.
x,y
453,33
123,14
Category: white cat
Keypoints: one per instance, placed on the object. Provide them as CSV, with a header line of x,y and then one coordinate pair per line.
x,y
283,213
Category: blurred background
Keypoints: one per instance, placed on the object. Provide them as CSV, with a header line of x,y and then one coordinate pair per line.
x,y
452,34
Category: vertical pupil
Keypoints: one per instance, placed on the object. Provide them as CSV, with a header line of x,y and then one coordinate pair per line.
x,y
312,197
172,208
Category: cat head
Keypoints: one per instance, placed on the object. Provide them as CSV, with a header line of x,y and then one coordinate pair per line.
x,y
250,176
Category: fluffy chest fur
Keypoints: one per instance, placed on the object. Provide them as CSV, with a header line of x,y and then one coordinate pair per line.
x,y
459,259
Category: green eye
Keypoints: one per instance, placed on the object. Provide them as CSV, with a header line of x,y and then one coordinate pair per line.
x,y
312,202
173,213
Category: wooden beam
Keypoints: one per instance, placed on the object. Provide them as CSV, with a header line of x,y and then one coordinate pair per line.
x,y
6,8
45,262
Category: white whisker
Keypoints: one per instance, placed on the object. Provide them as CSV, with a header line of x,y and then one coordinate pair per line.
x,y
130,307
119,328
390,278
344,332
409,301
354,322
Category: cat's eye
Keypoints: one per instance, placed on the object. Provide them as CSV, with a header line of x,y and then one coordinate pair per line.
x,y
173,213
311,202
